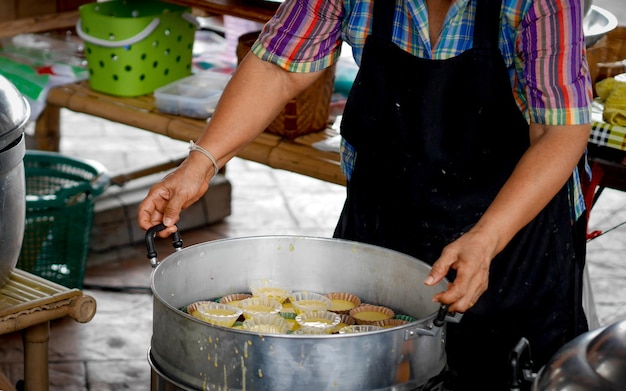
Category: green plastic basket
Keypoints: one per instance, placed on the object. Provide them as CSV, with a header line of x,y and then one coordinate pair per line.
x,y
60,195
135,47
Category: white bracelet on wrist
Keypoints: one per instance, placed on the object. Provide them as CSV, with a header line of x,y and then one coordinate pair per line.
x,y
195,147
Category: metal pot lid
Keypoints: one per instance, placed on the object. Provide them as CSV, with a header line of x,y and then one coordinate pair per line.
x,y
14,112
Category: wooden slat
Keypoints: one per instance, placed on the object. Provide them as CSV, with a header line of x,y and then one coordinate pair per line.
x,y
247,9
39,24
25,291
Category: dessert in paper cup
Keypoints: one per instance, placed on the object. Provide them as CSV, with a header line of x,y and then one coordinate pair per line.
x,y
369,314
271,289
215,313
344,320
269,323
259,305
342,302
304,301
317,322
234,298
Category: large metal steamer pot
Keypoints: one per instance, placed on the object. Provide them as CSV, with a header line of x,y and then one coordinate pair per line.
x,y
189,354
14,114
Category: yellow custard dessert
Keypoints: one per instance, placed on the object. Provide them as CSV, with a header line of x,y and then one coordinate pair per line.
x,y
234,299
311,305
270,289
273,293
343,302
370,316
267,323
287,308
258,305
316,322
215,313
339,305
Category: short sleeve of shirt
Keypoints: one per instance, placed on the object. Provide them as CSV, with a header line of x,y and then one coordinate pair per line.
x,y
555,72
303,35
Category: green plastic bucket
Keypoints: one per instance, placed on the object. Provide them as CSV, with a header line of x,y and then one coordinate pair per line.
x,y
135,47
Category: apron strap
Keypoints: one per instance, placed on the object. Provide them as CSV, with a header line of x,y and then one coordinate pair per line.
x,y
487,24
382,24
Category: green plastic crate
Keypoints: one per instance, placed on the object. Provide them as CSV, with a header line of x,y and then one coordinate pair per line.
x,y
135,47
60,195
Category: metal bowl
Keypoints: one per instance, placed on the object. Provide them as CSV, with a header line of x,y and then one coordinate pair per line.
x,y
597,23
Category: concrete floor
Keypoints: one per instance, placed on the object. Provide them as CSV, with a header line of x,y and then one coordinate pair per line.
x,y
109,353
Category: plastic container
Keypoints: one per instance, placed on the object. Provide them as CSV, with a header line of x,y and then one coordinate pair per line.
x,y
43,49
60,197
194,96
135,47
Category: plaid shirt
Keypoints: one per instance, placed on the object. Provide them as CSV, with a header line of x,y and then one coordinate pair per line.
x,y
541,41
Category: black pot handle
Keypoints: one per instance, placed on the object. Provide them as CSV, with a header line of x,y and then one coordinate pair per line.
x,y
177,242
521,366
441,315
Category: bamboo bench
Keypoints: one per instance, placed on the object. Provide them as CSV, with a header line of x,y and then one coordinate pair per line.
x,y
28,303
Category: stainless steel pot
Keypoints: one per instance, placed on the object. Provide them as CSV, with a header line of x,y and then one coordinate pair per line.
x,y
14,113
595,361
195,355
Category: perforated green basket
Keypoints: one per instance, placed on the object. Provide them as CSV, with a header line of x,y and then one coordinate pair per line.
x,y
135,46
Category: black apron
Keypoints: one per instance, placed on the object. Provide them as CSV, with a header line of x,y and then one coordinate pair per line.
x,y
435,141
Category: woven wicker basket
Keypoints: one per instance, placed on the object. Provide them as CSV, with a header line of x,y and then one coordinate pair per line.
x,y
610,48
306,113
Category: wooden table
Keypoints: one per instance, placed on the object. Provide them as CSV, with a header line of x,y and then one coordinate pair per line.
x,y
296,155
28,303
255,10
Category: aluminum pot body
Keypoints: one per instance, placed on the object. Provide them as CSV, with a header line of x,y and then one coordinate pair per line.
x,y
12,206
196,355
